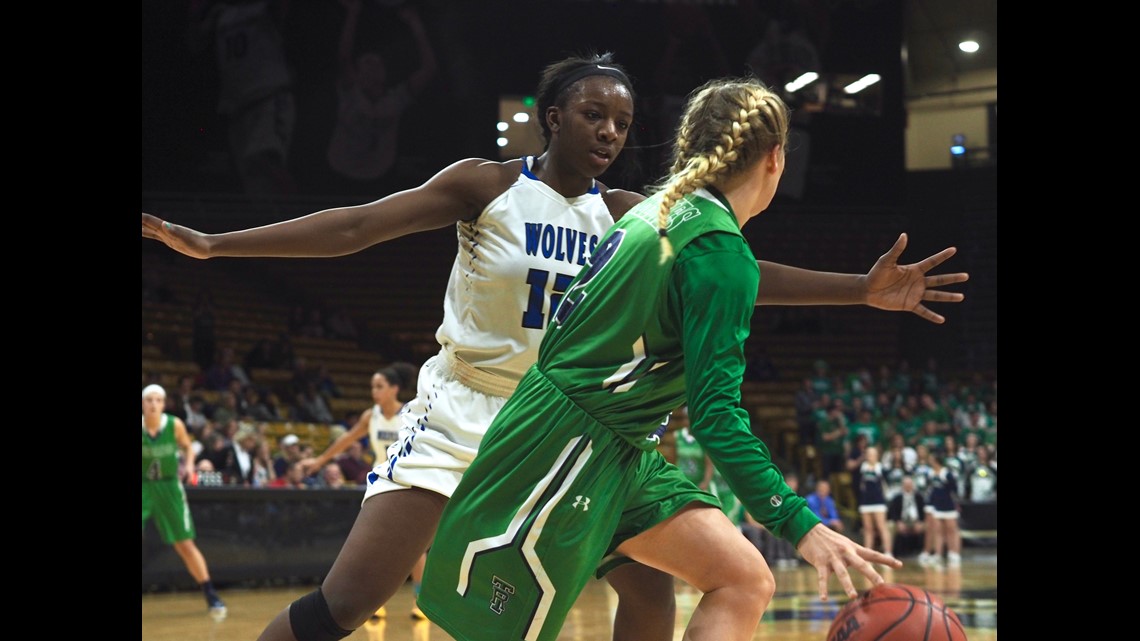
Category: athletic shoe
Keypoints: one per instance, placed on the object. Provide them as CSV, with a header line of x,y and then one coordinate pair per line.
x,y
217,608
927,560
954,560
418,614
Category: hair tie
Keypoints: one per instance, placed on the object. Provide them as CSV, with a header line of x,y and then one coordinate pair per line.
x,y
593,70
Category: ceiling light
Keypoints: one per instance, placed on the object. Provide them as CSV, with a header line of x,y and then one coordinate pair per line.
x,y
969,46
801,82
862,83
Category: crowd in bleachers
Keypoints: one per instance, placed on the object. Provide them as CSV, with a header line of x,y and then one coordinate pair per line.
x,y
910,418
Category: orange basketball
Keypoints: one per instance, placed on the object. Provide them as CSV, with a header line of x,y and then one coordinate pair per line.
x,y
896,612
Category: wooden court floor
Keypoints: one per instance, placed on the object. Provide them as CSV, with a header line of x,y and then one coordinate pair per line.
x,y
796,614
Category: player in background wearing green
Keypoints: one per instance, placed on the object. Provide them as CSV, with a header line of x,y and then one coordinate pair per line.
x,y
163,498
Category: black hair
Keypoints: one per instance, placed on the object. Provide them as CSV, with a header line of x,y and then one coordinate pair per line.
x,y
402,375
560,76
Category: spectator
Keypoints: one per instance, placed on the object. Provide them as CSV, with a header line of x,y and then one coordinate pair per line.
x,y
865,424
182,395
943,507
216,448
227,410
981,482
907,424
951,458
821,377
823,504
832,436
228,369
264,405
263,473
353,464
256,86
872,496
293,479
290,452
898,462
332,477
365,138
906,515
237,463
313,406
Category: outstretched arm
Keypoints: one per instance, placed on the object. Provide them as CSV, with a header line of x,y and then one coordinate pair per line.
x,y
358,431
888,285
458,192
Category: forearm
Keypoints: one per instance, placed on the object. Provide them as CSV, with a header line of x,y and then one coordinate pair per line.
x,y
326,233
786,285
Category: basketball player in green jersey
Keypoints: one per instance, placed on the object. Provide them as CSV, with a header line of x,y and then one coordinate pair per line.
x,y
568,480
163,498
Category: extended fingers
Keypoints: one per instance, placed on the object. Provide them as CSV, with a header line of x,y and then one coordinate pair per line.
x,y
938,280
939,296
925,312
845,582
931,262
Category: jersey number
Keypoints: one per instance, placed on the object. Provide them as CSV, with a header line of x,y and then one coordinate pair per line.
x,y
533,317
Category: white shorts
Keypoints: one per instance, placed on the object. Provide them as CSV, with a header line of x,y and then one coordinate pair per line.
x,y
947,515
873,508
443,426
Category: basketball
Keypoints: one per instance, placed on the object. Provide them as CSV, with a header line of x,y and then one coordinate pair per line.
x,y
896,612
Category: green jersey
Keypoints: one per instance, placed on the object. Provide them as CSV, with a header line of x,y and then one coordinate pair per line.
x,y
160,454
630,333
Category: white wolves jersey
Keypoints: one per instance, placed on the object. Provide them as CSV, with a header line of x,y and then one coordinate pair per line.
x,y
513,265
382,432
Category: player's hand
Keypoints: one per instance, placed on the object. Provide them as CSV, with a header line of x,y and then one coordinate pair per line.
x,y
181,239
896,287
832,553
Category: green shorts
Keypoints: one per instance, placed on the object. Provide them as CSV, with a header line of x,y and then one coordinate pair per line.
x,y
550,496
165,502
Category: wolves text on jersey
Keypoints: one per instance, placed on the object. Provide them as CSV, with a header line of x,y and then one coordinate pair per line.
x,y
560,243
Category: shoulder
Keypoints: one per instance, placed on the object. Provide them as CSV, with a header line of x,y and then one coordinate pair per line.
x,y
619,201
479,179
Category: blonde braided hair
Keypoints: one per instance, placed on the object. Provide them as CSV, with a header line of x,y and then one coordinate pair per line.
x,y
728,124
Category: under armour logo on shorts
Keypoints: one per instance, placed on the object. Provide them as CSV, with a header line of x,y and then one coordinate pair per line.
x,y
580,500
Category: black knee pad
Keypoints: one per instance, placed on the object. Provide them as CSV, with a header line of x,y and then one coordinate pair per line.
x,y
311,620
